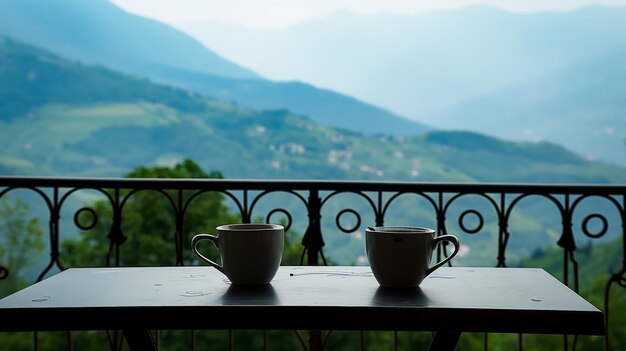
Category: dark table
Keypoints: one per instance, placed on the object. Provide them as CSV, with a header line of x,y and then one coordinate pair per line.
x,y
450,301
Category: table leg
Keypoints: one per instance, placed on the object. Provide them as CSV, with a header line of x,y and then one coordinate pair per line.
x,y
444,341
315,340
139,340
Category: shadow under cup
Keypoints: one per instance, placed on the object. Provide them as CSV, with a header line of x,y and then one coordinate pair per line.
x,y
250,253
400,256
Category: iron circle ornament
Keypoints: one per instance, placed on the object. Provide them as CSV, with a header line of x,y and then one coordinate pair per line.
x,y
601,232
478,226
92,213
284,212
351,229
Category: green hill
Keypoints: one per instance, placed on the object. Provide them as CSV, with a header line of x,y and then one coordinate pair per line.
x,y
32,77
98,32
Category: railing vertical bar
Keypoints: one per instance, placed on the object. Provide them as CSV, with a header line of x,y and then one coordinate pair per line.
x,y
486,342
54,235
179,231
617,277
312,239
502,232
441,223
246,216
380,215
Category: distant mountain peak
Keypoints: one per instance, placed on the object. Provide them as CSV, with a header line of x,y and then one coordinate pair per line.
x,y
116,39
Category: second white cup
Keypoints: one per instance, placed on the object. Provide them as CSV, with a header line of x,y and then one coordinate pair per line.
x,y
400,256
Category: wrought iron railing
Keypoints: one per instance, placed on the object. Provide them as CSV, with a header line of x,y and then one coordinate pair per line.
x,y
573,216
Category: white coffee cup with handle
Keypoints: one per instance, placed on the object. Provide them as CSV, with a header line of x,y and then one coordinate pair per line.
x,y
400,256
250,253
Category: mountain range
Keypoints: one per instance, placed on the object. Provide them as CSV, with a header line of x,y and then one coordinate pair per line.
x,y
544,76
97,32
64,118
61,117
555,76
73,76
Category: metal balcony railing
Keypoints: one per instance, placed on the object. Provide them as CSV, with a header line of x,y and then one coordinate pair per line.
x,y
496,221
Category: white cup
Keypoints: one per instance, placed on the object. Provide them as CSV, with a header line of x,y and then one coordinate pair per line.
x,y
250,252
400,256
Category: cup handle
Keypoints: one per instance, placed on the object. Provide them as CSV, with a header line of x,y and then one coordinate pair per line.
x,y
194,246
448,237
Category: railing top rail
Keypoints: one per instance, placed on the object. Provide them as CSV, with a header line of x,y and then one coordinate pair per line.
x,y
309,184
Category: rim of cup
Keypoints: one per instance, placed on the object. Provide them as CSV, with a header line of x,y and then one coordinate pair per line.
x,y
250,226
400,230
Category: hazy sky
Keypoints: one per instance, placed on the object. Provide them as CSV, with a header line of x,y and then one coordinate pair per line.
x,y
272,14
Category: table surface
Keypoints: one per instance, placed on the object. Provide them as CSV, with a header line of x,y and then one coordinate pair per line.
x,y
463,299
